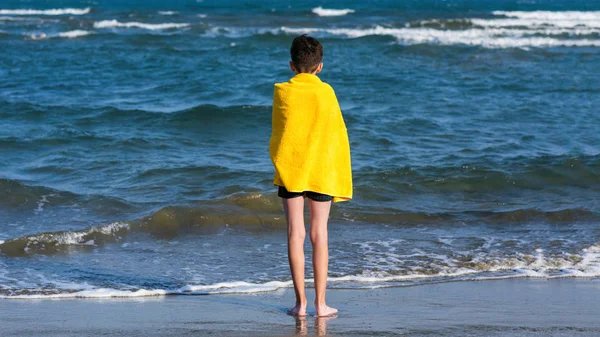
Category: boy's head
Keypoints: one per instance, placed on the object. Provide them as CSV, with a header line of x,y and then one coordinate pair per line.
x,y
307,54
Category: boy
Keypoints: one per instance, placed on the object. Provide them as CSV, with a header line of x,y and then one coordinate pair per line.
x,y
310,151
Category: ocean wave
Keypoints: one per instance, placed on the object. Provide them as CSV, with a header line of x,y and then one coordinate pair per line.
x,y
320,11
149,26
69,35
585,265
74,34
251,211
58,11
552,16
505,30
517,216
52,242
187,118
235,287
26,19
256,212
491,258
488,38
502,26
17,195
167,12
522,20
535,24
91,293
519,173
489,267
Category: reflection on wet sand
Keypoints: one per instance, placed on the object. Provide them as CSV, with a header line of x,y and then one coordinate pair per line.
x,y
320,325
301,326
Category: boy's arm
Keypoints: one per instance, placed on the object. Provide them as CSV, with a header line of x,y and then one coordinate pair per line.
x,y
337,104
275,122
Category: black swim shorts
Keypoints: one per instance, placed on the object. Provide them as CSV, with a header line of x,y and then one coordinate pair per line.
x,y
284,193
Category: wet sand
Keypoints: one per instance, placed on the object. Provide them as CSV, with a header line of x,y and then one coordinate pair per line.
x,y
516,307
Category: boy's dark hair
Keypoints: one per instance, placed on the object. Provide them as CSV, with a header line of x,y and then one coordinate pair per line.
x,y
307,53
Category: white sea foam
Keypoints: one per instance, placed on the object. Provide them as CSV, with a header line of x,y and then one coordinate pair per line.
x,y
150,26
542,20
537,266
382,264
237,287
552,16
489,38
528,26
93,293
535,23
26,18
57,11
391,278
167,12
77,237
41,203
320,11
37,37
505,30
74,33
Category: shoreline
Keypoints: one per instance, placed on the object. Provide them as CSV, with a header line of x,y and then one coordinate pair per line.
x,y
515,307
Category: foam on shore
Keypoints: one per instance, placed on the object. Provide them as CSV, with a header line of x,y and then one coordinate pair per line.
x,y
588,266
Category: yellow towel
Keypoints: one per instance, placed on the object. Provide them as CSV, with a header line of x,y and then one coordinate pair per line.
x,y
309,144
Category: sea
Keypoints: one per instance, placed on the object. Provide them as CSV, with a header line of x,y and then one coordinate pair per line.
x,y
134,143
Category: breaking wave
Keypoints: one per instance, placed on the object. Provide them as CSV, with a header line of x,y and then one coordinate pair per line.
x,y
585,265
504,30
59,11
74,33
591,16
149,26
488,38
320,11
256,212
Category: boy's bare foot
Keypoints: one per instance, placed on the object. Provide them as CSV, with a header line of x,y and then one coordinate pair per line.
x,y
298,310
324,310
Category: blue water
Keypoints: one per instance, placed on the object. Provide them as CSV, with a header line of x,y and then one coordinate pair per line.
x,y
134,142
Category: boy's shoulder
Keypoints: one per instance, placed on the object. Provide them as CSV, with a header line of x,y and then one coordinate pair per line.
x,y
305,81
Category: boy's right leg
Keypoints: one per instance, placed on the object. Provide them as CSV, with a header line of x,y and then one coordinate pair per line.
x,y
319,216
294,214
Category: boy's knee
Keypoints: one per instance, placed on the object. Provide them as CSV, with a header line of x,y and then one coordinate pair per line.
x,y
317,236
297,234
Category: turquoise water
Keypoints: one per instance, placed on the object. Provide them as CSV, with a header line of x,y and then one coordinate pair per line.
x,y
134,142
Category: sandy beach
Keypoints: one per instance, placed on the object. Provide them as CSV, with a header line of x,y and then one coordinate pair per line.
x,y
517,307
